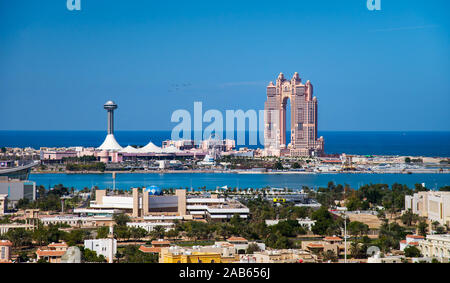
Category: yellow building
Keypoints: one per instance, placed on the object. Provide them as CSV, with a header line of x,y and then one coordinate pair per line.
x,y
167,256
218,253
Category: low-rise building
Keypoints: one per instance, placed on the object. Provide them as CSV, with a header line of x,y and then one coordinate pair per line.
x,y
52,253
436,246
149,203
156,247
4,228
304,222
333,243
150,226
380,258
78,221
189,255
5,251
278,256
152,250
411,240
240,244
220,252
106,247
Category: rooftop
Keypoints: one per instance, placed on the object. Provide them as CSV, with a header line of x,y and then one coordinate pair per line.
x,y
40,252
58,245
415,237
145,249
334,238
160,242
5,243
237,239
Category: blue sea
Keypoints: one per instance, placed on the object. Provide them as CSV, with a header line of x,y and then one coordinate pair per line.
x,y
378,143
125,181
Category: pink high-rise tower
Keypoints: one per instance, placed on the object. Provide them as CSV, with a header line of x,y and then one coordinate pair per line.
x,y
304,141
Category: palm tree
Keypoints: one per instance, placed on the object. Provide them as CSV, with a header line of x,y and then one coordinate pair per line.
x,y
435,225
158,232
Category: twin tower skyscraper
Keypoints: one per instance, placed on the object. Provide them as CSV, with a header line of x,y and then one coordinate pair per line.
x,y
304,140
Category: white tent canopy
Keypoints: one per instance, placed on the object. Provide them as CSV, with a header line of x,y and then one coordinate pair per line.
x,y
110,143
150,148
171,149
130,149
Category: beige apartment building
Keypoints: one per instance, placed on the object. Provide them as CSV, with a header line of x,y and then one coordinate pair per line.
x,y
433,205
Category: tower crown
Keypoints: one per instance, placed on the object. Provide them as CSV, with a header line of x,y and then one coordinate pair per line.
x,y
110,105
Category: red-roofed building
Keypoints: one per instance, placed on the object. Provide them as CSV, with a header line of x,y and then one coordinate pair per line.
x,y
240,244
145,249
58,246
333,240
237,240
334,244
411,240
53,253
314,247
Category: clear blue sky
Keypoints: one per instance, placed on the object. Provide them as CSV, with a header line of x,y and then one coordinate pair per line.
x,y
372,70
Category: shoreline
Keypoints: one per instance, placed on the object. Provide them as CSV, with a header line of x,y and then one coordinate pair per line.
x,y
432,171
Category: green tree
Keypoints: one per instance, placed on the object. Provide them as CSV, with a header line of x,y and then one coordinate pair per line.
x,y
23,257
358,250
357,228
19,237
296,165
40,235
325,222
353,204
137,233
158,232
423,228
408,218
102,232
412,251
253,247
76,237
329,255
278,166
390,236
91,256
132,254
121,219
